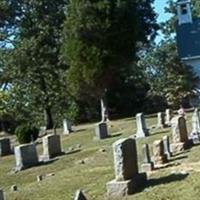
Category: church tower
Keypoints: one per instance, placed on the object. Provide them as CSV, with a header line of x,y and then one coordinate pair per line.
x,y
184,12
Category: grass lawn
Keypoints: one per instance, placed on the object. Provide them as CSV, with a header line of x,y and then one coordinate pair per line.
x,y
70,173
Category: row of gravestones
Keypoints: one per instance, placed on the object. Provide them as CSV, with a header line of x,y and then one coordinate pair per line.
x,y
127,177
166,121
26,154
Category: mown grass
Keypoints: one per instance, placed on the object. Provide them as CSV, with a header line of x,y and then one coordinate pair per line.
x,y
71,174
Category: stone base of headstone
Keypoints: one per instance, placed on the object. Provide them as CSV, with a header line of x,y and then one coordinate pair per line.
x,y
25,156
120,189
194,137
147,167
101,131
159,160
168,155
51,146
177,147
5,148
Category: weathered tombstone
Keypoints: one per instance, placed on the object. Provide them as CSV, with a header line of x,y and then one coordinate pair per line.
x,y
159,157
5,148
142,131
161,120
67,127
51,146
127,179
79,195
25,156
166,144
101,130
168,117
195,134
179,134
2,197
147,165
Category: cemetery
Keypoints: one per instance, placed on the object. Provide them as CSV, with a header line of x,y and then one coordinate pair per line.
x,y
93,106
119,166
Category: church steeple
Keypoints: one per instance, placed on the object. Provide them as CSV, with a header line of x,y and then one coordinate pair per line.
x,y
184,12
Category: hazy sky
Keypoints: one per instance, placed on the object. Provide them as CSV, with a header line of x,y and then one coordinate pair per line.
x,y
162,16
159,8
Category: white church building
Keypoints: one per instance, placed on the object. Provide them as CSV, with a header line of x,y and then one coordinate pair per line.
x,y
188,36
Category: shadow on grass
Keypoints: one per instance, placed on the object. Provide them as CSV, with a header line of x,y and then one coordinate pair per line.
x,y
177,158
115,135
158,132
167,179
72,151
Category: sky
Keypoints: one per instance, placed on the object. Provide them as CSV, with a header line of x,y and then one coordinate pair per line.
x,y
162,16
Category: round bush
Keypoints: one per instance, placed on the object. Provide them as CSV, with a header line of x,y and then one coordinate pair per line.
x,y
26,133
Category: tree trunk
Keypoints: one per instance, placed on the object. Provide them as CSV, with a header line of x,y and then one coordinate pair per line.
x,y
49,118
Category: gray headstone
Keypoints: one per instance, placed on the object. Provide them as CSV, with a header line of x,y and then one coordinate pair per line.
x,y
179,129
25,156
67,128
147,165
51,146
79,195
168,116
125,159
2,197
101,130
146,153
127,179
161,120
158,153
142,131
166,144
5,148
195,134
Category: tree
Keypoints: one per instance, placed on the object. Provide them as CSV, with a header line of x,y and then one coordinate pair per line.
x,y
34,65
101,39
168,78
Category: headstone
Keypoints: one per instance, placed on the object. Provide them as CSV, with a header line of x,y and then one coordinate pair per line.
x,y
159,157
2,197
51,146
161,120
166,144
168,117
179,134
101,131
142,131
127,179
79,195
39,178
5,148
14,188
147,165
195,134
25,156
67,127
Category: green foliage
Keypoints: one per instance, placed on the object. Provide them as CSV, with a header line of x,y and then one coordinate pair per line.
x,y
26,133
100,41
167,76
34,66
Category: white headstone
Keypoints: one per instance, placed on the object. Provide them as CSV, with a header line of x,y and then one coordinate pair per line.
x,y
142,131
66,127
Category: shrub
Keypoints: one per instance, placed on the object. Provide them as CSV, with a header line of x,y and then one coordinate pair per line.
x,y
26,133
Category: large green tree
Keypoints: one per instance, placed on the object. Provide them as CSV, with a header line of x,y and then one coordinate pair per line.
x,y
34,66
101,39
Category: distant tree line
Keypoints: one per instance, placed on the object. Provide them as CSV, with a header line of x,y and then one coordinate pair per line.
x,y
58,59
